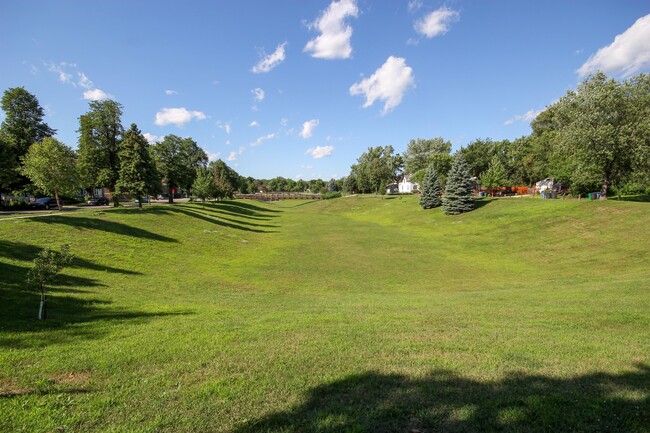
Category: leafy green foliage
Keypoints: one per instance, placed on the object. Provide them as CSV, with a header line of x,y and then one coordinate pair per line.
x,y
420,153
100,137
138,175
177,159
458,192
331,195
375,167
45,267
22,126
204,186
431,191
51,166
495,176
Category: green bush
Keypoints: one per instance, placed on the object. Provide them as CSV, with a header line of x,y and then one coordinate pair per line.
x,y
330,195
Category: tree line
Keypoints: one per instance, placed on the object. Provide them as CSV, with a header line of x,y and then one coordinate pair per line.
x,y
109,156
594,138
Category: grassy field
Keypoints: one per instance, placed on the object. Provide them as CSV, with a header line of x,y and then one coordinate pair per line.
x,y
358,314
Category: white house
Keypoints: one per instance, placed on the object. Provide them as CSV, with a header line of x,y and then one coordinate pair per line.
x,y
406,186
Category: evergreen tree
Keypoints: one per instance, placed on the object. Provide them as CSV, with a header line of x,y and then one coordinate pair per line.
x,y
458,192
137,175
495,176
431,190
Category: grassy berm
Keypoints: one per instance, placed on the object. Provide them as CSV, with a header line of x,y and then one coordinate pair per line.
x,y
359,314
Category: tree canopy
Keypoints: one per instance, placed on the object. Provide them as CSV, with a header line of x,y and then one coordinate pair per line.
x,y
138,175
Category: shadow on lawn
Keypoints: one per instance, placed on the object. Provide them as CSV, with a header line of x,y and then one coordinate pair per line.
x,y
19,303
103,225
219,220
443,401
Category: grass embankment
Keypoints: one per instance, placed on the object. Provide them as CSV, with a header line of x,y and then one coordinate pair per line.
x,y
355,314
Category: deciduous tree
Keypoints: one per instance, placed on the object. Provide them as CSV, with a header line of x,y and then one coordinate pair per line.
x,y
51,166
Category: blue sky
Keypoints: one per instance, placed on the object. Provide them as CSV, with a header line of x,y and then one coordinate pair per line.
x,y
301,88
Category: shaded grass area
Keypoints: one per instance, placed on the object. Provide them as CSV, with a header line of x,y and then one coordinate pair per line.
x,y
354,314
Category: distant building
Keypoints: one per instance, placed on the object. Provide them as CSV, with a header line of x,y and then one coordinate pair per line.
x,y
406,186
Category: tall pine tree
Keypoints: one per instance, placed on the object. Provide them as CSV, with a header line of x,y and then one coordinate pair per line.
x,y
458,193
137,175
431,190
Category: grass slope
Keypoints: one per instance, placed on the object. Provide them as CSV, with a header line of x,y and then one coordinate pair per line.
x,y
349,315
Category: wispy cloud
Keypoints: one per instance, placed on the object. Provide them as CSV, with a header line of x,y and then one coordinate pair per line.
x,y
437,22
627,55
253,123
177,116
389,83
225,126
319,152
335,33
171,92
268,62
308,128
262,139
213,156
528,116
232,156
67,73
258,94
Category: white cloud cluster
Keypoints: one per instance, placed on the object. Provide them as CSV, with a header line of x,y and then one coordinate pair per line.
x,y
334,39
177,116
627,55
262,139
267,63
213,156
319,152
528,116
389,83
308,128
232,156
436,23
151,138
66,72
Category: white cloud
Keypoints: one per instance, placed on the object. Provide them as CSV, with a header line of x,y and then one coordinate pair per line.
x,y
151,138
96,95
528,116
627,55
334,39
284,121
308,128
261,140
436,23
258,94
171,92
60,69
320,151
177,116
267,63
253,123
388,84
213,156
232,156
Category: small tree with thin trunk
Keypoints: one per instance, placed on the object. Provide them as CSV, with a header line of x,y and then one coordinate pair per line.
x,y
51,166
458,192
495,176
46,266
431,190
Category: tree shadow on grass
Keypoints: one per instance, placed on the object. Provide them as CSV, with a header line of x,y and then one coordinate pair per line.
x,y
25,252
87,223
250,206
445,402
216,220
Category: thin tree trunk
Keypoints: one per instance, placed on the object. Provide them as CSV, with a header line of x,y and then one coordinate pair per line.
x,y
605,188
42,308
139,201
58,202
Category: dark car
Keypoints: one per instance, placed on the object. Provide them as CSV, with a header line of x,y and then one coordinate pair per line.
x,y
98,201
46,203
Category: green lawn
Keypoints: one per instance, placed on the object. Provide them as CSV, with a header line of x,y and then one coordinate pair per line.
x,y
358,314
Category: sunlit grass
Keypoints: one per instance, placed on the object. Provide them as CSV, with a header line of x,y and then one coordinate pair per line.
x,y
353,314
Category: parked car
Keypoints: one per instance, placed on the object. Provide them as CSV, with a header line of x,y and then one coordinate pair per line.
x,y
144,200
98,201
46,203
